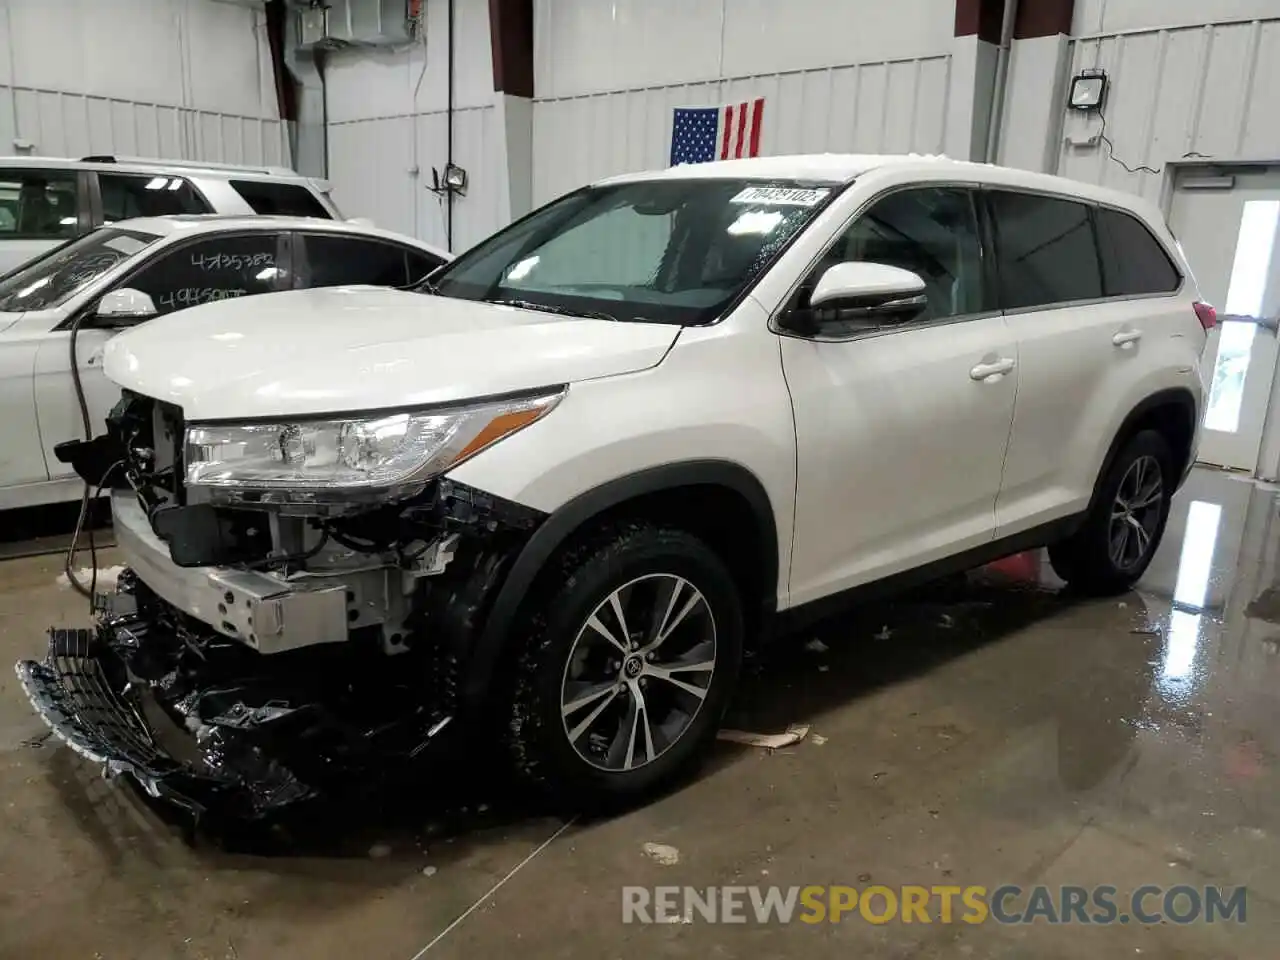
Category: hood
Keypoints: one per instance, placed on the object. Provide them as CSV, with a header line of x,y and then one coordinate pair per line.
x,y
339,349
8,319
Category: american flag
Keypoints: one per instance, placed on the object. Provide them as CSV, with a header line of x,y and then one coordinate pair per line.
x,y
699,134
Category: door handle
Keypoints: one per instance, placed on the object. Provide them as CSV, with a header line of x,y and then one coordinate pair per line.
x,y
1126,337
991,371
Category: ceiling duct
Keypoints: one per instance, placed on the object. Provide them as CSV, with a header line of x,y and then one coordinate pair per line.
x,y
351,23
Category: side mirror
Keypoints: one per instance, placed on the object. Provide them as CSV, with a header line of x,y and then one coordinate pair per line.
x,y
873,295
124,307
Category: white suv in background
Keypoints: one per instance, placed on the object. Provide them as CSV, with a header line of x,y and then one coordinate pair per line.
x,y
556,493
45,201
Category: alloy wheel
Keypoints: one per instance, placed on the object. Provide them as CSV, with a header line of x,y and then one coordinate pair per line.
x,y
1135,513
638,673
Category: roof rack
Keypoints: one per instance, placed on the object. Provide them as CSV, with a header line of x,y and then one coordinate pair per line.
x,y
191,165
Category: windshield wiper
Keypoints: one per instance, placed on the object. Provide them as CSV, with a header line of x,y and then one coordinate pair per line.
x,y
561,311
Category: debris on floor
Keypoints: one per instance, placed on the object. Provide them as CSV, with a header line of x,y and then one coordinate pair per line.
x,y
663,853
818,739
428,871
885,633
816,646
946,621
379,850
107,577
770,741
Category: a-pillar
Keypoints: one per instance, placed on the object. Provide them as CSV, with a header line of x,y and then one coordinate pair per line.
x,y
511,36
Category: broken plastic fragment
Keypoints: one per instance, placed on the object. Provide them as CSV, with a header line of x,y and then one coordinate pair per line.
x,y
770,741
816,646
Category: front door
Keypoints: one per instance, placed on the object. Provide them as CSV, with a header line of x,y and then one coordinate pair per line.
x,y
1227,226
901,432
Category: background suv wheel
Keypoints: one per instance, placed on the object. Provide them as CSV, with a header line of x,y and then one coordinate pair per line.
x,y
1123,529
628,657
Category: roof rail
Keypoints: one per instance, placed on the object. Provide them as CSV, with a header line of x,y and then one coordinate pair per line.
x,y
191,165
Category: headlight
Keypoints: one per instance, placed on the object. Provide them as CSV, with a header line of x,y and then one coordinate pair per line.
x,y
338,459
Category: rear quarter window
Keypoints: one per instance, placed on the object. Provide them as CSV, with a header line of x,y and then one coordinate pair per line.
x,y
1133,260
280,199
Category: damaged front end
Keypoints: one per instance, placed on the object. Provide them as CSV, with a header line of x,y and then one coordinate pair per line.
x,y
251,658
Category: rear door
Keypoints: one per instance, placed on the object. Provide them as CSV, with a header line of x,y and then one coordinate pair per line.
x,y
1088,293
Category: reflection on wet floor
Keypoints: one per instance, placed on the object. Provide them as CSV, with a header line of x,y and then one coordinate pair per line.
x,y
990,728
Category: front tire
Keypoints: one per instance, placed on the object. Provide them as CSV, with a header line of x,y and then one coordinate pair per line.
x,y
1112,549
627,662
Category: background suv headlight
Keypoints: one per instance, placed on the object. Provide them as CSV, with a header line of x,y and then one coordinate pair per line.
x,y
387,454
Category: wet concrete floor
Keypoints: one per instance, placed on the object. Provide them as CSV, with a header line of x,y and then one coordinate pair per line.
x,y
980,733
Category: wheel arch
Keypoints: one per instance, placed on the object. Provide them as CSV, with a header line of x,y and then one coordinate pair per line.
x,y
1173,413
630,493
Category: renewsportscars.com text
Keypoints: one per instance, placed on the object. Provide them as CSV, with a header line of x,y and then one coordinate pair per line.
x,y
1005,904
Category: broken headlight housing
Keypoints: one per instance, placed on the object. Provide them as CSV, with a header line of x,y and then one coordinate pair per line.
x,y
389,454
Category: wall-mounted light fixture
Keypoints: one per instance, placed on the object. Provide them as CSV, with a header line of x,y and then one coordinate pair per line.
x,y
1088,90
453,181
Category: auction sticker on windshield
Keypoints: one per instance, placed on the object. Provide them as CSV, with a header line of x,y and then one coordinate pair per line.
x,y
782,196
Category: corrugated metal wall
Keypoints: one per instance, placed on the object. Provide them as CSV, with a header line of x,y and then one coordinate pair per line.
x,y
891,106
370,160
73,125
1186,93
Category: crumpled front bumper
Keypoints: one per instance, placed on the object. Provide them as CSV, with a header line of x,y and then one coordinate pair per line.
x,y
223,752
73,693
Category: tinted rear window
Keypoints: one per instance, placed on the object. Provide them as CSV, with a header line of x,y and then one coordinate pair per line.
x,y
1133,261
280,199
1046,250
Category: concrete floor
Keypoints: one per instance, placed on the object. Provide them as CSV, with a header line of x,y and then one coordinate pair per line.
x,y
998,733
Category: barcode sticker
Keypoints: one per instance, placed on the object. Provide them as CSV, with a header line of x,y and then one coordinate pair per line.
x,y
782,196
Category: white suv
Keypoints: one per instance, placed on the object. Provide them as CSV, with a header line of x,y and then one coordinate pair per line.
x,y
45,201
558,492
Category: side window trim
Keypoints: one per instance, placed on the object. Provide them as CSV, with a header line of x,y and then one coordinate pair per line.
x,y
123,280
972,189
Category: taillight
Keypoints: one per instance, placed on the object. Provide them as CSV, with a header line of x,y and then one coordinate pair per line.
x,y
1207,316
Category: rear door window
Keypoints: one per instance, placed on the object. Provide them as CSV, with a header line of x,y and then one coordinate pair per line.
x,y
38,204
1133,261
1046,251
335,261
126,195
210,269
280,199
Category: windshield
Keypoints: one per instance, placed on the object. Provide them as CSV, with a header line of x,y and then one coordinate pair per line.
x,y
57,276
672,251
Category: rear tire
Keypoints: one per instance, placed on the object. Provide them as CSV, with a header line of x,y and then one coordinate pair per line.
x,y
1112,549
628,657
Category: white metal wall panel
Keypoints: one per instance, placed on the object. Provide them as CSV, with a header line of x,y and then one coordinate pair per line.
x,y
585,47
1192,92
1112,16
74,125
179,79
887,107
370,164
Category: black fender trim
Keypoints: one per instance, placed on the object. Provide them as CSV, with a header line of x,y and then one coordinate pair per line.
x,y
1174,396
570,517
